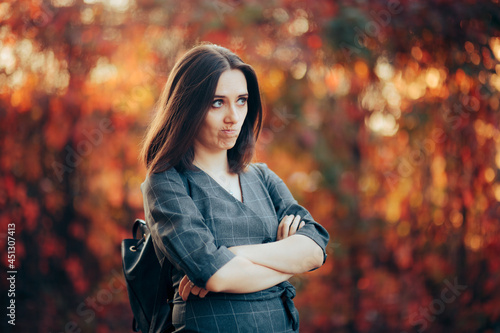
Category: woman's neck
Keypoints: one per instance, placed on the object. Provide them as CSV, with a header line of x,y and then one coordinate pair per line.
x,y
215,163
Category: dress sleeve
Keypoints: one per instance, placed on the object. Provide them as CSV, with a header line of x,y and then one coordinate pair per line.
x,y
285,204
178,228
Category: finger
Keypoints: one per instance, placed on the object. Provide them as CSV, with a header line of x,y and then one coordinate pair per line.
x,y
302,224
286,225
195,290
182,284
184,281
181,291
280,229
184,287
279,236
294,225
203,293
185,292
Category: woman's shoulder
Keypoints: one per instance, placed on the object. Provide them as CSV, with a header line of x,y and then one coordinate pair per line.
x,y
258,166
263,171
155,178
262,167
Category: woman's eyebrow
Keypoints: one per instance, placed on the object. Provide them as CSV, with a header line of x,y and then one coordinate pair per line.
x,y
222,96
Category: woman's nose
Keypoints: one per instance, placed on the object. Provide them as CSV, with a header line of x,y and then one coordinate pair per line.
x,y
232,113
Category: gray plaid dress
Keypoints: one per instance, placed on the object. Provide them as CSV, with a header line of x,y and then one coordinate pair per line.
x,y
194,226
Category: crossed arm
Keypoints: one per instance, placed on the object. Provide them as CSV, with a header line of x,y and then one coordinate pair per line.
x,y
261,266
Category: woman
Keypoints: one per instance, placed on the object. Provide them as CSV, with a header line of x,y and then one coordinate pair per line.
x,y
232,230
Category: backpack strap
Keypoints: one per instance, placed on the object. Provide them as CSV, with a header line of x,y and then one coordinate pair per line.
x,y
165,284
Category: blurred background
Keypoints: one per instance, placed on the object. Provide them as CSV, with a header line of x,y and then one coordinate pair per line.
x,y
381,117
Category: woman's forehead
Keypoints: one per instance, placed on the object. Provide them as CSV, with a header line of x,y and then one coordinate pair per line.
x,y
231,82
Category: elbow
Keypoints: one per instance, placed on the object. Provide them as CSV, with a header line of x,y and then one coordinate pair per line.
x,y
311,253
218,282
319,260
315,261
215,284
227,277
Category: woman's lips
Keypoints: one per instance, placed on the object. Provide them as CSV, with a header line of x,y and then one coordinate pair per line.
x,y
230,132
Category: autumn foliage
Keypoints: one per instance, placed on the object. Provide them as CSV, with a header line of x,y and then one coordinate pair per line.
x,y
381,116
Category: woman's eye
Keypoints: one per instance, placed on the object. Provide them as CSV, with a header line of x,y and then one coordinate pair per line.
x,y
217,103
242,101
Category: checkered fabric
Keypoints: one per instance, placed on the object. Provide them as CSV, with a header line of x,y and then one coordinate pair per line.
x,y
194,228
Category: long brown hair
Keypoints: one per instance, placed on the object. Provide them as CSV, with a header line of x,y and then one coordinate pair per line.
x,y
184,102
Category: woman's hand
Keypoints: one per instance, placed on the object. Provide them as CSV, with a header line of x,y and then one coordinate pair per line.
x,y
292,253
289,226
187,287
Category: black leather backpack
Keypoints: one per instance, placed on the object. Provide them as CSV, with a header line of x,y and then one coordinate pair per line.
x,y
149,282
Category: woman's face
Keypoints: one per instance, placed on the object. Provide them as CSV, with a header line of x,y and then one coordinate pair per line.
x,y
224,119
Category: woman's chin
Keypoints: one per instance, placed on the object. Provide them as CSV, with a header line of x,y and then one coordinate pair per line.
x,y
228,144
